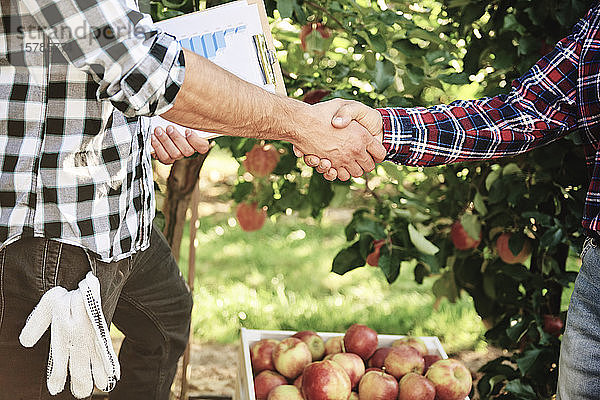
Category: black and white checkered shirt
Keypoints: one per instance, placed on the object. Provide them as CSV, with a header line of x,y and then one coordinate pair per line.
x,y
75,75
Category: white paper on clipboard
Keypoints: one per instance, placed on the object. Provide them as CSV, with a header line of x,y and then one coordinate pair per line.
x,y
231,36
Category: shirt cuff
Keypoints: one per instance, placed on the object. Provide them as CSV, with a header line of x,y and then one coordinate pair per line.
x,y
150,88
398,133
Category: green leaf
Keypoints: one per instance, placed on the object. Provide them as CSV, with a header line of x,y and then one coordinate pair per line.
x,y
241,191
421,242
445,286
472,225
385,73
389,263
320,193
378,43
528,360
347,260
368,224
286,8
516,243
455,79
491,178
393,171
421,272
510,169
520,390
479,204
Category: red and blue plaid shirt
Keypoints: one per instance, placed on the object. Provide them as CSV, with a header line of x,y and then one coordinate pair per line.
x,y
559,94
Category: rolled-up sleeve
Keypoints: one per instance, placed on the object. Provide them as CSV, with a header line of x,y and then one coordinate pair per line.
x,y
137,67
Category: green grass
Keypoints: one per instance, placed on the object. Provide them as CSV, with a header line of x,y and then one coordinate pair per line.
x,y
279,278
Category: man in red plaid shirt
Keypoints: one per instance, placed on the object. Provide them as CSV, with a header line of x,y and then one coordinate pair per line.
x,y
559,94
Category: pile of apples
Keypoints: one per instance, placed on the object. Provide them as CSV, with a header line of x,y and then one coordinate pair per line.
x,y
353,366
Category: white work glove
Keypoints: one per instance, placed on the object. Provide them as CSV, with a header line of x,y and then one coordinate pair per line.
x,y
79,339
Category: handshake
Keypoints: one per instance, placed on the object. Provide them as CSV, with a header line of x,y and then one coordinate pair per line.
x,y
339,138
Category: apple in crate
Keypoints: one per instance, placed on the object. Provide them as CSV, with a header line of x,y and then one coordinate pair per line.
x,y
290,356
315,343
413,386
361,340
377,385
325,380
334,345
261,355
267,381
377,359
429,360
403,359
285,392
352,364
415,342
452,380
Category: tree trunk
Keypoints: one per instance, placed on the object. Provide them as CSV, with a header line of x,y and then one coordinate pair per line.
x,y
181,182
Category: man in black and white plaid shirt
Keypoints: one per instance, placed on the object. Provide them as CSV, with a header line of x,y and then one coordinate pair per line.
x,y
76,185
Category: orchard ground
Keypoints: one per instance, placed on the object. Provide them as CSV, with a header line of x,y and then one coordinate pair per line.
x,y
279,278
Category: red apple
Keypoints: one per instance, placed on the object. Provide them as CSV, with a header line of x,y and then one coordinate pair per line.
x,y
261,355
352,364
553,324
378,357
452,380
373,369
413,341
298,382
429,360
403,359
414,386
261,160
377,386
334,345
290,356
461,239
325,380
315,343
373,257
265,382
316,95
250,217
361,340
285,392
506,253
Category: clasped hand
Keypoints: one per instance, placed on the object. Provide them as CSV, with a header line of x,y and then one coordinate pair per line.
x,y
340,138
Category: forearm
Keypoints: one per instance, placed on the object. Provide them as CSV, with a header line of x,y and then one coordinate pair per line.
x,y
541,108
214,100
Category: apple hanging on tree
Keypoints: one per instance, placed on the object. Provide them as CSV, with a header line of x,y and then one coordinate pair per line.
x,y
373,257
250,217
506,254
261,160
461,238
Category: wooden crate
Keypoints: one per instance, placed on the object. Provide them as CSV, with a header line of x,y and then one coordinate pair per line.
x,y
245,381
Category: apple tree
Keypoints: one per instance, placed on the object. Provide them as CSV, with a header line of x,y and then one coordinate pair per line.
x,y
501,231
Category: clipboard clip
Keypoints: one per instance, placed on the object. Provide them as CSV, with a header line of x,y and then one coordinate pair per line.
x,y
266,59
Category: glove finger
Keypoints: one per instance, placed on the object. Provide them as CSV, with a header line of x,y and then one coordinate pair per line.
x,y
98,372
81,349
90,289
60,342
41,316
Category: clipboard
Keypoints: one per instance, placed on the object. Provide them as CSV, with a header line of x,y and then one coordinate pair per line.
x,y
237,37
